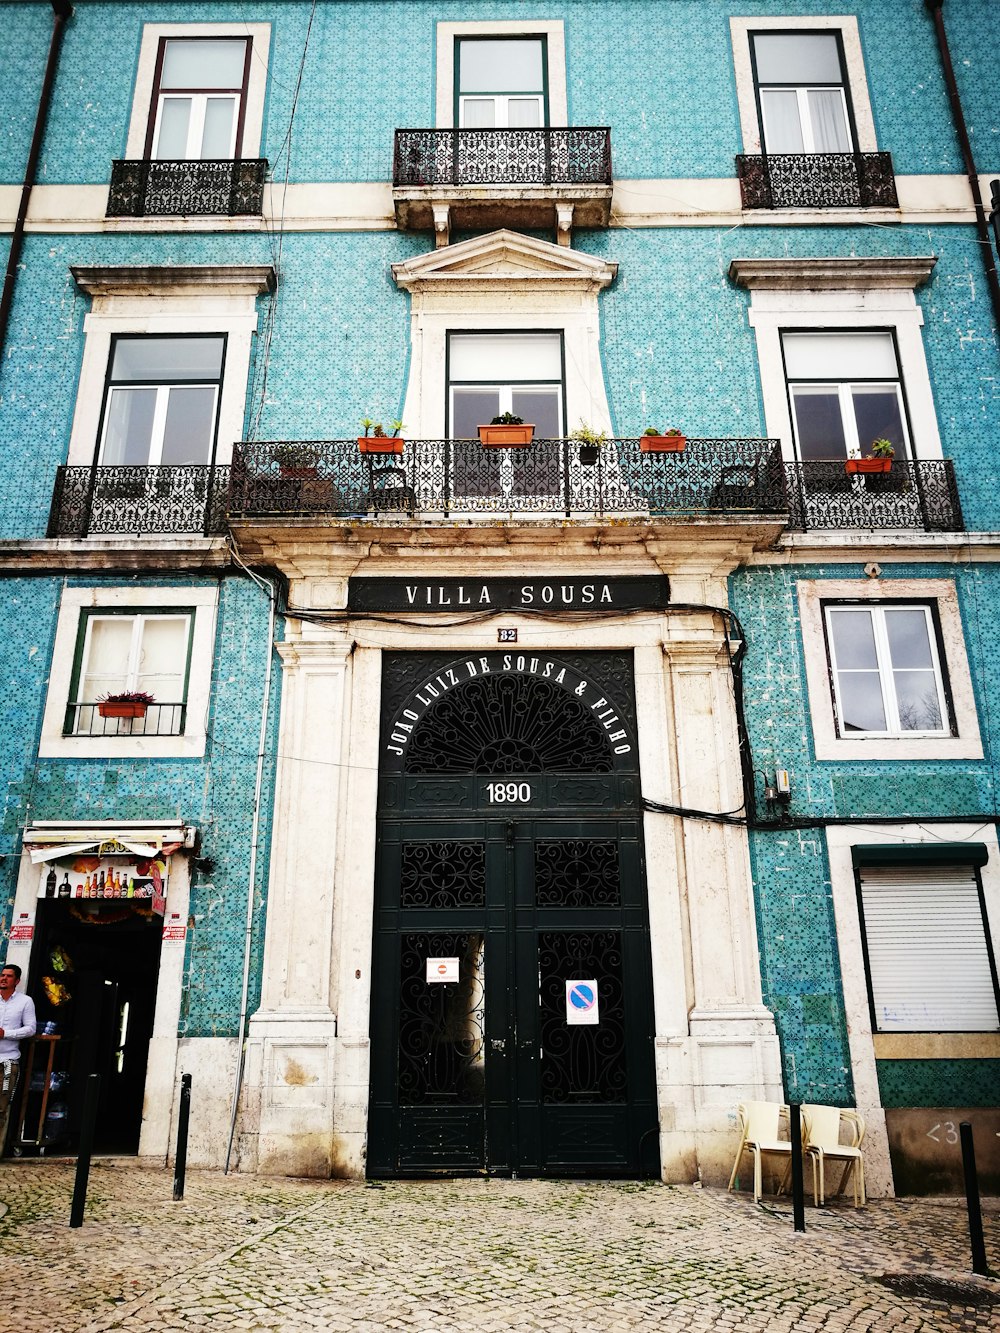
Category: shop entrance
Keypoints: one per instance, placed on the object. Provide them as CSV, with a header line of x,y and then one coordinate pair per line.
x,y
93,976
512,999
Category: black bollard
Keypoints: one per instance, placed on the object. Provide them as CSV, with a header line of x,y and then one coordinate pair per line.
x,y
798,1196
180,1157
979,1264
91,1097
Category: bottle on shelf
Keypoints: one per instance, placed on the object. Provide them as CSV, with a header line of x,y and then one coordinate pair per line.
x,y
65,888
100,884
50,883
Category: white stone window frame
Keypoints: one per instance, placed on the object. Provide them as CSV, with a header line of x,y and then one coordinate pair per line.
x,y
856,79
498,283
551,29
167,301
142,98
812,595
840,295
54,745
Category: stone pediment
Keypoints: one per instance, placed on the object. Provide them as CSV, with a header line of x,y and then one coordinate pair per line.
x,y
505,258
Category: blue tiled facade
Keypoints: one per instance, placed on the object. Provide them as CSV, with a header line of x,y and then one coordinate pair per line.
x,y
676,348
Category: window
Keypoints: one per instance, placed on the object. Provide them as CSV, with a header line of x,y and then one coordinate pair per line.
x,y
493,373
845,392
111,639
500,82
885,666
129,651
199,98
162,400
927,949
199,91
801,92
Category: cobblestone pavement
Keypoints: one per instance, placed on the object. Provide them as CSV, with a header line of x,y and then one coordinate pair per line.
x,y
260,1253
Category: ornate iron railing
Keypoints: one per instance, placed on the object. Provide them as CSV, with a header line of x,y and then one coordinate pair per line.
x,y
919,495
502,157
230,188
119,499
547,476
817,180
84,719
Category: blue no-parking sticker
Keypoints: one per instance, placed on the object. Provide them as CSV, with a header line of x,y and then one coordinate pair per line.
x,y
581,1002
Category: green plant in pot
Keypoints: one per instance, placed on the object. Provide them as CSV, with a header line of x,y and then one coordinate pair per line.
x,y
590,442
297,460
653,441
125,703
880,458
376,441
506,431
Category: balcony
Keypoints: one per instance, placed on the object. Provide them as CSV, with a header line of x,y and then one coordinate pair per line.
x,y
84,719
441,478
227,188
817,180
482,180
189,498
919,495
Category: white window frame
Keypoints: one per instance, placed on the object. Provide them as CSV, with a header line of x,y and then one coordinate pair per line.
x,y
551,29
802,92
966,743
865,1045
885,668
191,744
133,681
840,295
856,79
161,301
142,98
196,125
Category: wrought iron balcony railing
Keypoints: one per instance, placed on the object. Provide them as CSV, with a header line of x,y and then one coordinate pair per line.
x,y
84,719
546,477
227,188
502,157
817,180
188,498
915,494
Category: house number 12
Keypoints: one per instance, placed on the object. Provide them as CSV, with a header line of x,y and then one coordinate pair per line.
x,y
501,793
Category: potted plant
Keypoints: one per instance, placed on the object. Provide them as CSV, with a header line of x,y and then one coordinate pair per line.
x,y
125,703
505,431
297,460
590,443
882,452
375,440
671,441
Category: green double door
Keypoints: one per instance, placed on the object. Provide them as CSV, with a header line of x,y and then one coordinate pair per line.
x,y
512,1024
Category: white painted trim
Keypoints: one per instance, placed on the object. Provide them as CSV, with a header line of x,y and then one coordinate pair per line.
x,y
859,309
847,26
260,33
840,840
54,745
552,29
828,745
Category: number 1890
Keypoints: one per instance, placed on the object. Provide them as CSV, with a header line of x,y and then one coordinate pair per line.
x,y
505,793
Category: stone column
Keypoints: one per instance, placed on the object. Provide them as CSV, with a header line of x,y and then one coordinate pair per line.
x,y
289,1081
730,1050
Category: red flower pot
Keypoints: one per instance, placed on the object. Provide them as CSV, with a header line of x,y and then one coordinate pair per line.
x,y
662,444
505,437
868,464
111,709
380,444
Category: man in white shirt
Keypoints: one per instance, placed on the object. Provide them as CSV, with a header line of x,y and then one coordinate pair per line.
x,y
17,1021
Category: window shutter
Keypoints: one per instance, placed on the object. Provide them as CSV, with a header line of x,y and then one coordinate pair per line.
x,y
928,959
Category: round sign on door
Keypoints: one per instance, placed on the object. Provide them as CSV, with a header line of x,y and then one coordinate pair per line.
x,y
581,1003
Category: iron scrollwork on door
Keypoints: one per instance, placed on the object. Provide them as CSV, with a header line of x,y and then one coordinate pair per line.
x,y
441,1050
442,874
577,872
585,1063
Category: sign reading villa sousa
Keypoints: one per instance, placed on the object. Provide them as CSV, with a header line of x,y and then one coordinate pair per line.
x,y
584,593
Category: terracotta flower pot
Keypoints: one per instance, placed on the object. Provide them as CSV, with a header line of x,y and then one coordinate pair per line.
x,y
868,464
662,444
380,444
108,708
505,437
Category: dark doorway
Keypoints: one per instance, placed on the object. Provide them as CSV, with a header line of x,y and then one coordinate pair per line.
x,y
512,1022
93,975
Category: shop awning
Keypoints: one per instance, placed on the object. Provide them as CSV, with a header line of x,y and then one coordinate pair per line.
x,y
921,854
47,840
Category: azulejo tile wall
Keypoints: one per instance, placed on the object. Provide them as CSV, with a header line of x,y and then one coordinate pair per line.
x,y
214,793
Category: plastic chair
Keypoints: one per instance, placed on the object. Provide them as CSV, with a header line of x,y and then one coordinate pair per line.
x,y
759,1126
821,1135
